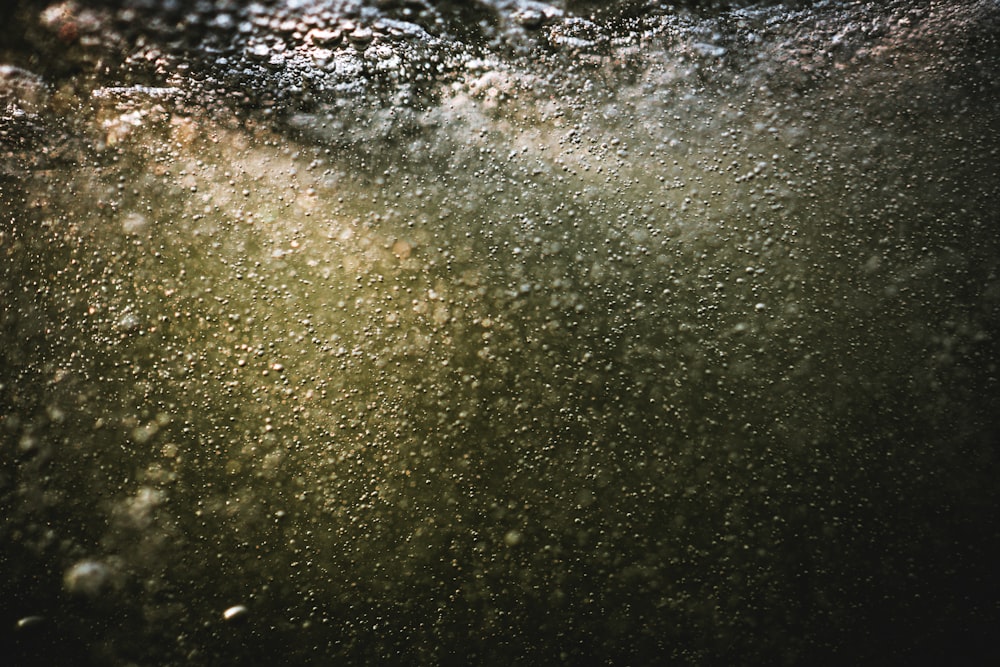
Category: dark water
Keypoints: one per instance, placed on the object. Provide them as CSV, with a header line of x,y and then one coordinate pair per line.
x,y
685,358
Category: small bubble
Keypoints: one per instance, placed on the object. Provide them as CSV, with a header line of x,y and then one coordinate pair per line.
x,y
135,224
235,613
513,538
29,623
88,578
128,322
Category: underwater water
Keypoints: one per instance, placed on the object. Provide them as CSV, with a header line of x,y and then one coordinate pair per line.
x,y
671,342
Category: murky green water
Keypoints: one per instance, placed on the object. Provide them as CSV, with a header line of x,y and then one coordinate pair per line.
x,y
659,362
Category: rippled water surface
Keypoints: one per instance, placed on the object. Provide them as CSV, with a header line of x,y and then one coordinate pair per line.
x,y
670,347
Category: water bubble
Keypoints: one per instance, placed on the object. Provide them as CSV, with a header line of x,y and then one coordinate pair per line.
x,y
89,578
513,538
128,322
135,224
29,623
361,37
235,613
